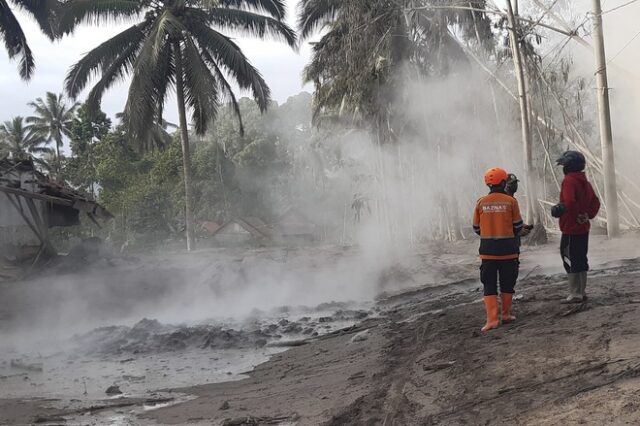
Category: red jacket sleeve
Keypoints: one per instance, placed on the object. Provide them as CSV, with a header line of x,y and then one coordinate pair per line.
x,y
568,195
594,202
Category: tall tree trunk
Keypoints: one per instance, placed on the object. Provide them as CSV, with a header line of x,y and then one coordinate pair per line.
x,y
186,154
524,116
604,115
58,158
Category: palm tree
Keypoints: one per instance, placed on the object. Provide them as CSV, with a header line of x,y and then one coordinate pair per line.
x,y
52,120
18,140
357,65
175,44
44,12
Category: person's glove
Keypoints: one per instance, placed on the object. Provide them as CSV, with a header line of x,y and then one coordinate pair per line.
x,y
558,210
582,218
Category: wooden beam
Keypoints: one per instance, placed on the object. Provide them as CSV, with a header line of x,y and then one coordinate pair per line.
x,y
37,218
36,196
18,207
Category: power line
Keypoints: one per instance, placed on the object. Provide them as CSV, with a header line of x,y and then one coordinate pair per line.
x,y
624,47
619,7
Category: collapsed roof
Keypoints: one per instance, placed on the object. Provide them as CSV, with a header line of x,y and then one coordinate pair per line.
x,y
20,178
39,203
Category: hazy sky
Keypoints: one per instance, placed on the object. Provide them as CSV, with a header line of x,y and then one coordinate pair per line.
x,y
281,66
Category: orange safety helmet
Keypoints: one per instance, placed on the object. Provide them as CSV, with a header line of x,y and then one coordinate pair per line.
x,y
495,176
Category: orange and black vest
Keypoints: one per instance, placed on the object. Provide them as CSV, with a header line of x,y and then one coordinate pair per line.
x,y
497,220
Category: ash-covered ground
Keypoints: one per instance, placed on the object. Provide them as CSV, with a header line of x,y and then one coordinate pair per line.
x,y
187,336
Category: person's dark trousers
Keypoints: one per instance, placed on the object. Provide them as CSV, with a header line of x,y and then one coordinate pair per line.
x,y
574,249
504,272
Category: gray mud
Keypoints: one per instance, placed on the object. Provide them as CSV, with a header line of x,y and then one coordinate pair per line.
x,y
138,327
111,374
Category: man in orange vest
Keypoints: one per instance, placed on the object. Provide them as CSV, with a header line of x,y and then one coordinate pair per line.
x,y
497,220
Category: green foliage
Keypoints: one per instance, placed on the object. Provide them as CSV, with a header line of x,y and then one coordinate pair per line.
x,y
134,188
86,128
85,132
233,174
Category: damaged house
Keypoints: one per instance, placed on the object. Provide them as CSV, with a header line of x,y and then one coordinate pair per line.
x,y
242,231
31,204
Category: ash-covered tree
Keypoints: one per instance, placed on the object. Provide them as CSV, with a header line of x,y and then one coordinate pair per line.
x,y
175,45
370,47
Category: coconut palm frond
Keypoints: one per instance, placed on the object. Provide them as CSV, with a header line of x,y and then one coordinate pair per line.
x,y
45,13
201,88
254,24
76,12
226,89
229,57
274,8
316,14
102,57
148,85
15,41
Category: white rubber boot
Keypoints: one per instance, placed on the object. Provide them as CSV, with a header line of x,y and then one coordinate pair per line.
x,y
583,285
575,292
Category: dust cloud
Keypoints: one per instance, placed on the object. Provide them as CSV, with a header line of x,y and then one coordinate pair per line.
x,y
380,203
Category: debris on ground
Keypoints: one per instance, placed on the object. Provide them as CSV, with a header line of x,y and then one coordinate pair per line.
x,y
22,365
113,390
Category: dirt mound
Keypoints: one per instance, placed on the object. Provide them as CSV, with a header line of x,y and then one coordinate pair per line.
x,y
151,336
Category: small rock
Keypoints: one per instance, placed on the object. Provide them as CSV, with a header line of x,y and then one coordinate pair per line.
x,y
225,405
113,390
360,337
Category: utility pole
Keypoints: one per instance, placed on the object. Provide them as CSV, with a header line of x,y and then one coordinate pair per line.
x,y
604,115
532,201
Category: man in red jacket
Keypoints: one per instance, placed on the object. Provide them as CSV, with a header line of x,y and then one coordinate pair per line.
x,y
578,204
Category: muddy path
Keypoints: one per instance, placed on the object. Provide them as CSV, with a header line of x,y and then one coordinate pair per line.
x,y
425,363
556,365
